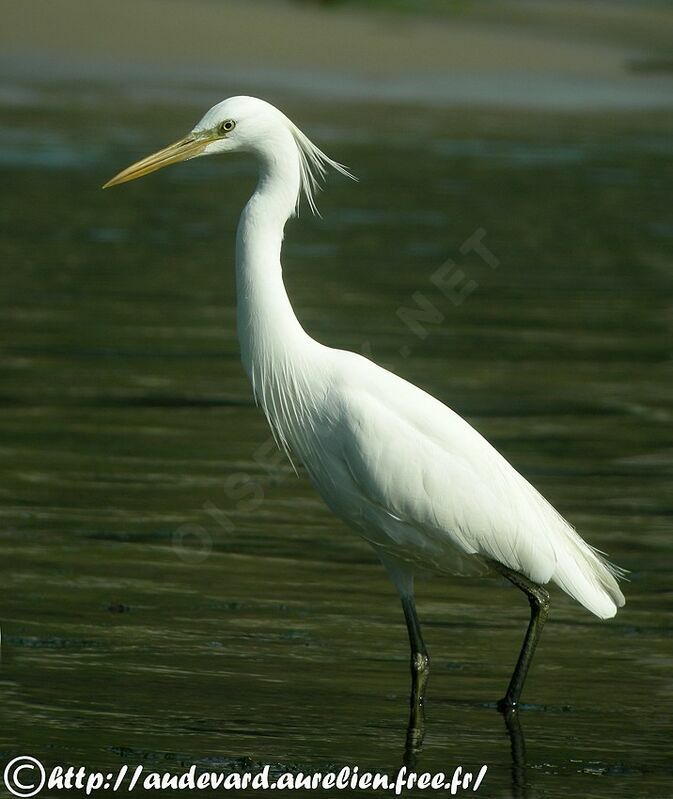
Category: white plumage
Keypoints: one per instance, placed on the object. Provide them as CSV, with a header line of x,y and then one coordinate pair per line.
x,y
409,474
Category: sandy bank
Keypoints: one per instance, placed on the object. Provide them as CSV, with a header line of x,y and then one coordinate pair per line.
x,y
512,57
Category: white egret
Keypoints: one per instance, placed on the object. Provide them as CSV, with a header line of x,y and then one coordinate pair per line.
x,y
409,474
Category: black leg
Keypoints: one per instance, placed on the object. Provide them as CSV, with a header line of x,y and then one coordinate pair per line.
x,y
420,671
538,599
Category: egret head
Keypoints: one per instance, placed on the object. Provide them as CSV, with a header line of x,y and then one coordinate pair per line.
x,y
242,124
239,123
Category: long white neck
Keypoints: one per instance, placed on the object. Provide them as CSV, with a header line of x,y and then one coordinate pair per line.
x,y
273,343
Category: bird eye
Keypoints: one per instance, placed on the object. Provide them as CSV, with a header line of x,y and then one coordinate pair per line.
x,y
227,126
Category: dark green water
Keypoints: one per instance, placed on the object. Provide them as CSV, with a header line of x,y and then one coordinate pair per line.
x,y
172,594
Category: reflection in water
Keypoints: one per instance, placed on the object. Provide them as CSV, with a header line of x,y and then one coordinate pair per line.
x,y
518,749
416,732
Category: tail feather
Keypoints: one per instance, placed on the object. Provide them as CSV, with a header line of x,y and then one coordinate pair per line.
x,y
584,574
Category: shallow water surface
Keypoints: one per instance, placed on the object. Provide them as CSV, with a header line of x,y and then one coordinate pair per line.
x,y
173,594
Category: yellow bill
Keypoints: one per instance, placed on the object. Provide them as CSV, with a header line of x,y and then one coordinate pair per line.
x,y
189,147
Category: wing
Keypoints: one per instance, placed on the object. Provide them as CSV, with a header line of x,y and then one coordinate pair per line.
x,y
421,483
432,484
